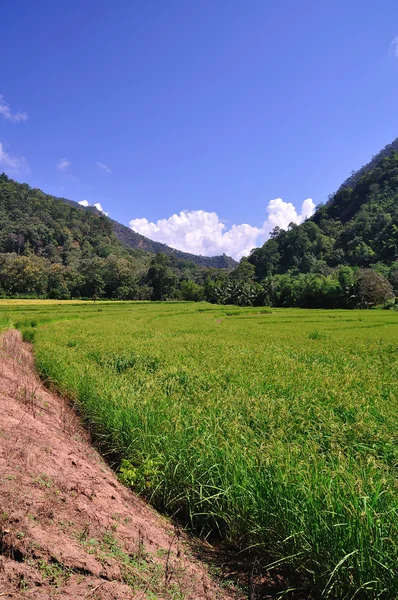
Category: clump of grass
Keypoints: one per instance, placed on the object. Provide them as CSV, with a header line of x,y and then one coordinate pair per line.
x,y
316,335
28,335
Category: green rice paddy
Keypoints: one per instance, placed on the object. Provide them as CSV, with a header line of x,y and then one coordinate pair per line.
x,y
275,429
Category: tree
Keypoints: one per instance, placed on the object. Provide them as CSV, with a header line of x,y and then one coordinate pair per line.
x,y
22,274
372,288
161,278
244,272
92,271
191,291
393,277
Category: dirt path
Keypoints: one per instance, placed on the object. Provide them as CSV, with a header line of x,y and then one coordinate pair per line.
x,y
68,528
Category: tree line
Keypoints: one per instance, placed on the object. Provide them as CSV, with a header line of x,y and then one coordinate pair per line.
x,y
117,278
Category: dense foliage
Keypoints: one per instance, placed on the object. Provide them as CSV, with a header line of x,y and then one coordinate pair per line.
x,y
274,429
343,287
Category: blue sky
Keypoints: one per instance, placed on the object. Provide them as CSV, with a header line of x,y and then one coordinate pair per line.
x,y
216,107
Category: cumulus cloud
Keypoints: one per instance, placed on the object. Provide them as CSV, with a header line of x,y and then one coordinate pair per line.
x,y
201,232
6,112
96,205
63,164
103,167
394,47
281,214
13,165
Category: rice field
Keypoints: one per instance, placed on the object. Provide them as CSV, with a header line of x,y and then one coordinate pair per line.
x,y
274,429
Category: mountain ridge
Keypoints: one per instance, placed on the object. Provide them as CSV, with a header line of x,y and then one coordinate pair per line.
x,y
375,160
137,241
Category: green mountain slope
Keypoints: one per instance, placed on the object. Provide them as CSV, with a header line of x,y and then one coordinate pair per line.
x,y
357,227
345,256
356,175
32,222
54,247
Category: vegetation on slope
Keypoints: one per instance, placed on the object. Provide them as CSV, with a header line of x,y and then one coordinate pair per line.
x,y
356,175
345,256
357,227
277,431
56,248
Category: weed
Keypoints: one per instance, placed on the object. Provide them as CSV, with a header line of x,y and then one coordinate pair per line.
x,y
316,335
28,335
43,480
55,573
23,584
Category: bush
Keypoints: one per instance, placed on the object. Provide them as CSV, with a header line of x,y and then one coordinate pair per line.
x,y
58,294
391,304
372,289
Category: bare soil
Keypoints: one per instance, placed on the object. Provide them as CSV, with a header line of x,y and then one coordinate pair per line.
x,y
68,528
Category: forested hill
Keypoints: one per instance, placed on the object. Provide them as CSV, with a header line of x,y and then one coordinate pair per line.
x,y
56,248
358,227
32,222
86,222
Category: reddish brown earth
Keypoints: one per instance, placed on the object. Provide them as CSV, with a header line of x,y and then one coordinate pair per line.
x,y
68,528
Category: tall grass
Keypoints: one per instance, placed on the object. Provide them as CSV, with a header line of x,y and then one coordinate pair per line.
x,y
278,431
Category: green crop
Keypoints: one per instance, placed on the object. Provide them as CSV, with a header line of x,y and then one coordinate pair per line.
x,y
275,430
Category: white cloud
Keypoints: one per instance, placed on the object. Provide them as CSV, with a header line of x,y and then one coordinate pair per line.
x,y
6,112
281,214
13,165
201,232
394,47
63,164
97,205
103,167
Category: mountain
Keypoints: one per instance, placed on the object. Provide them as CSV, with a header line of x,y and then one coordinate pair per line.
x,y
135,240
55,247
32,222
357,227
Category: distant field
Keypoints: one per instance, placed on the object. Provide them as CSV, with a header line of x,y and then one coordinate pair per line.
x,y
277,429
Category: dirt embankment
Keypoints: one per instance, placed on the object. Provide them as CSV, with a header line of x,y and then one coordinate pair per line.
x,y
68,528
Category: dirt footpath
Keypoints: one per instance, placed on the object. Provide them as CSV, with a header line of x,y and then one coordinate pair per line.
x,y
68,528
